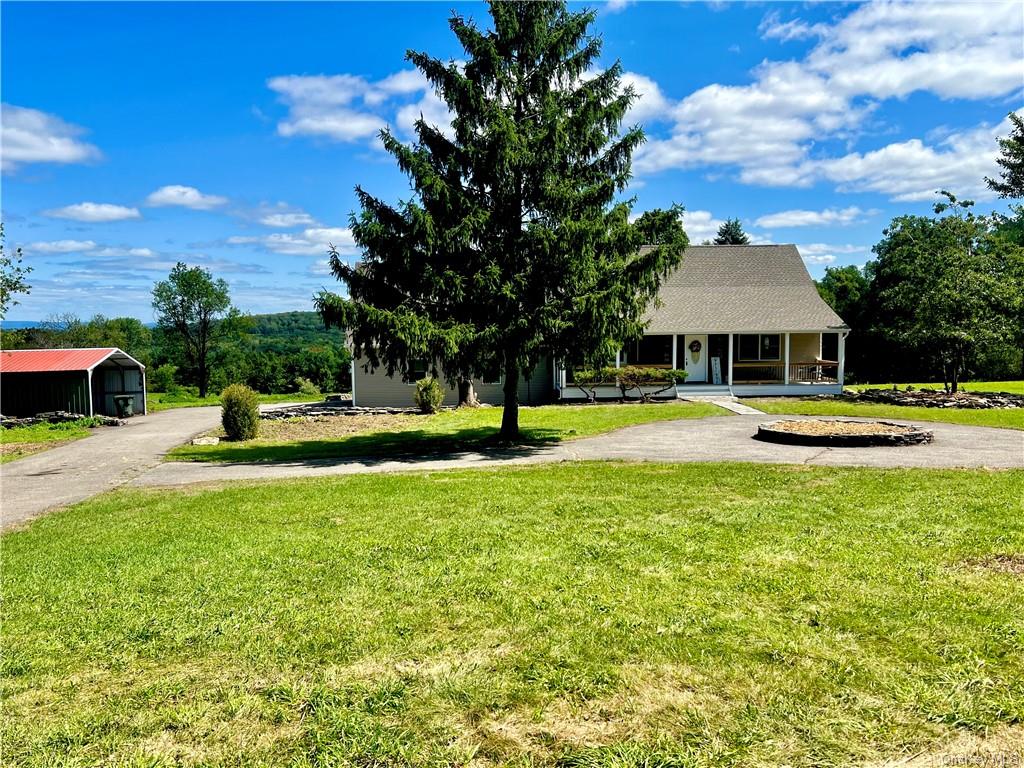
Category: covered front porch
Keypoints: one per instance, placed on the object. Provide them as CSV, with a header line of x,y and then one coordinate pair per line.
x,y
742,364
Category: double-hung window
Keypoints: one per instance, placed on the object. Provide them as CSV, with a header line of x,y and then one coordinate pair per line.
x,y
760,346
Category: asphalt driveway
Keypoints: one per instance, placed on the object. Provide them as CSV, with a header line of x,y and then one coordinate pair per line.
x,y
711,439
109,457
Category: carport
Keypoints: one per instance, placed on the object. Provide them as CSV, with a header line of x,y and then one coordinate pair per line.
x,y
83,381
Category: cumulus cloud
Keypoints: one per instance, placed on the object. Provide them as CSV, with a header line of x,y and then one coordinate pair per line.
x,y
186,197
774,130
823,253
701,226
61,246
30,136
312,241
350,108
94,212
804,218
287,220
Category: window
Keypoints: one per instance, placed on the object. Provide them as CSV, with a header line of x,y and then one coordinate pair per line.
x,y
763,346
492,375
417,370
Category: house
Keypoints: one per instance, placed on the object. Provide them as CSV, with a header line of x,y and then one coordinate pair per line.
x,y
85,381
743,320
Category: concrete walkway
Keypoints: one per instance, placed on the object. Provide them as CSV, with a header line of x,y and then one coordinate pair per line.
x,y
728,402
710,439
109,457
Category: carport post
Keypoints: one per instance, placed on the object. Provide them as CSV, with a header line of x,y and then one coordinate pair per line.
x,y
88,388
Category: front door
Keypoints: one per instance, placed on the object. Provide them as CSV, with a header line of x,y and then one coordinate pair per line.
x,y
695,351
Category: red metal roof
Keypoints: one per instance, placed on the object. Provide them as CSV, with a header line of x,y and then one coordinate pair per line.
x,y
44,360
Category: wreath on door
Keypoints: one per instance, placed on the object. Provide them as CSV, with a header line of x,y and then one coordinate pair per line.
x,y
695,347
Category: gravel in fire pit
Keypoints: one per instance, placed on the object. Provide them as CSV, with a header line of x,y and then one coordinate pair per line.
x,y
841,433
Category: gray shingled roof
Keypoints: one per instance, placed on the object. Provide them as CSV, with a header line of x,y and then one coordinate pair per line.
x,y
737,288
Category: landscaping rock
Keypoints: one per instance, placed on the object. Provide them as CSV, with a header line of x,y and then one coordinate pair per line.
x,y
929,398
56,417
330,408
205,440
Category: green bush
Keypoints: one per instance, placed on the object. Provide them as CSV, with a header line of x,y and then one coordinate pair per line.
x,y
240,412
306,387
429,395
162,379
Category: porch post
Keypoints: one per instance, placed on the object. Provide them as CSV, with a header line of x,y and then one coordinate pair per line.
x,y
842,359
674,345
730,361
785,366
618,358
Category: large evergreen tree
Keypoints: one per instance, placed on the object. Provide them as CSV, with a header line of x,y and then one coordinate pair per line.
x,y
1011,160
731,233
514,247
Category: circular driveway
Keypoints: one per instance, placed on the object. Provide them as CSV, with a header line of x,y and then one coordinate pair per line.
x,y
720,438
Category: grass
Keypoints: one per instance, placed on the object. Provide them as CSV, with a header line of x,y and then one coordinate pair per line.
x,y
22,441
1013,387
575,615
451,430
162,401
1007,418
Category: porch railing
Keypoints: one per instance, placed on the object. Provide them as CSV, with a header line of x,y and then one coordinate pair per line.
x,y
817,372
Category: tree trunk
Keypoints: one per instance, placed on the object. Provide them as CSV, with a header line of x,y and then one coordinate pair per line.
x,y
204,379
510,412
467,395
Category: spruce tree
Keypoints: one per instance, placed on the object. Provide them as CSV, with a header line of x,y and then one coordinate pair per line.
x,y
1011,160
731,233
515,245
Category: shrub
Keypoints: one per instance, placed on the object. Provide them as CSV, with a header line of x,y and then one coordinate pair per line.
x,y
306,387
429,395
240,412
162,379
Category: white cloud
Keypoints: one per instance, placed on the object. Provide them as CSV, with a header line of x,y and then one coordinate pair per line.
x,y
615,6
186,197
322,105
94,212
773,130
823,253
700,226
825,258
118,251
804,218
911,170
312,241
61,246
30,136
287,220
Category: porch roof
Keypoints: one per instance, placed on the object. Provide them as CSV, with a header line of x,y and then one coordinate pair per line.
x,y
740,288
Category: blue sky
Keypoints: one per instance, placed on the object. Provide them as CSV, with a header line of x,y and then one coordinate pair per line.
x,y
232,135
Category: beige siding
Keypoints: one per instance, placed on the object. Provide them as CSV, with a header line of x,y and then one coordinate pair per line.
x,y
378,390
804,347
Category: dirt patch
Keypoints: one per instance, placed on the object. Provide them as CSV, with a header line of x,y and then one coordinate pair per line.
x,y
1002,747
12,451
327,427
999,564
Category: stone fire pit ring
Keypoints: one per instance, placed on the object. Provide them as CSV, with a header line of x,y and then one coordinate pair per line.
x,y
838,433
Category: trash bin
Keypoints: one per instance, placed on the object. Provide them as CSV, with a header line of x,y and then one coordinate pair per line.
x,y
125,405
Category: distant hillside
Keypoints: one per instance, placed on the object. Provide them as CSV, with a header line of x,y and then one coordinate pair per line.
x,y
291,330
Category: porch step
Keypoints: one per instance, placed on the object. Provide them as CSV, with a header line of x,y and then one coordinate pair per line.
x,y
728,402
686,390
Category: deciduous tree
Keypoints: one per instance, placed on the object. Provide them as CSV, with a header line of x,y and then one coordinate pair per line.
x,y
194,311
516,244
13,276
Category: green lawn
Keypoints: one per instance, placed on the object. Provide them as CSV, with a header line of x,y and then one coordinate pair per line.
x,y
578,614
1008,418
1013,387
453,430
161,401
35,437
